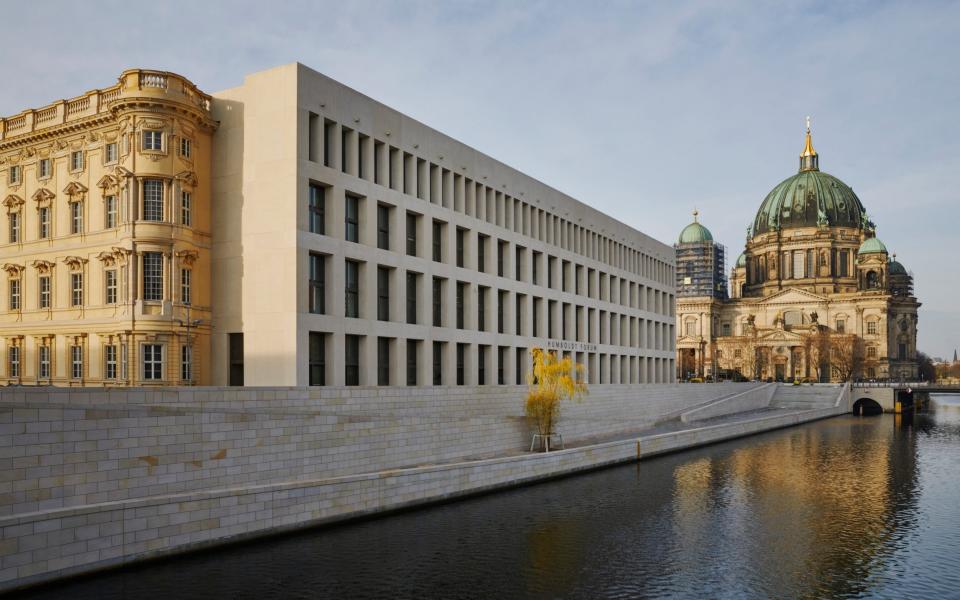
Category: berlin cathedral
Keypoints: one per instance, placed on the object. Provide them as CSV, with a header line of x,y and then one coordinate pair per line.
x,y
815,295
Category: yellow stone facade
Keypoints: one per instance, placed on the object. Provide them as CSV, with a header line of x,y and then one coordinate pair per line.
x,y
105,241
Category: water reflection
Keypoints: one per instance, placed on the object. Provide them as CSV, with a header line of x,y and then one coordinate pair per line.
x,y
848,507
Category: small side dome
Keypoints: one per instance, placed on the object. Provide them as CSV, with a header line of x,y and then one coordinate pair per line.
x,y
741,260
895,268
695,233
872,246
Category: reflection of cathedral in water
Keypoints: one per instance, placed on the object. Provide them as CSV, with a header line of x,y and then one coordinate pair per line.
x,y
815,294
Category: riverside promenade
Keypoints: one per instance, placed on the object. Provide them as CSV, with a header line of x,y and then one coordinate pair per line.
x,y
100,478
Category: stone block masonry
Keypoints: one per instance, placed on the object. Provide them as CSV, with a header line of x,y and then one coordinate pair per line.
x,y
94,478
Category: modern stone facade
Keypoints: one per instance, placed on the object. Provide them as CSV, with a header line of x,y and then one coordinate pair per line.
x,y
355,245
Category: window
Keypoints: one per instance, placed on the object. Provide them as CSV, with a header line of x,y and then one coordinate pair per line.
x,y
383,294
725,328
411,234
841,326
13,175
872,352
43,215
110,362
76,217
43,168
186,363
352,289
872,327
518,267
352,360
521,352
317,287
461,234
738,353
798,271
152,276
901,351
76,289
186,148
411,298
76,362
501,300
185,277
152,200
501,250
152,362
501,365
461,363
352,219
76,160
44,358
14,294
110,153
437,301
317,208
110,212
236,358
437,241
110,284
518,317
317,367
481,365
412,362
844,262
153,140
14,355
383,227
481,252
44,291
14,227
437,363
383,361
461,290
186,208
482,308
533,266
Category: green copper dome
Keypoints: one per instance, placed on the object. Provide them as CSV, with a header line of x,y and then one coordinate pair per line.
x,y
872,246
742,260
896,268
695,233
809,199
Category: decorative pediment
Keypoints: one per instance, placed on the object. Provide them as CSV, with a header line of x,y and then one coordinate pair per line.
x,y
122,172
107,258
187,257
770,336
74,262
794,296
107,183
13,203
12,269
43,266
43,197
121,255
187,177
75,191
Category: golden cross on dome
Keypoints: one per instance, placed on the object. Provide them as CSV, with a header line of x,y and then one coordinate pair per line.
x,y
808,123
696,213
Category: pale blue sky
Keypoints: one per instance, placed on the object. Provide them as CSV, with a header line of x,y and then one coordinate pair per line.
x,y
643,110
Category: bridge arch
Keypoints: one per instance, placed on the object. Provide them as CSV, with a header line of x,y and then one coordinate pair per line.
x,y
867,407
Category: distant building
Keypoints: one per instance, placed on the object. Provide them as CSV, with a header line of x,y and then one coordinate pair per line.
x,y
815,294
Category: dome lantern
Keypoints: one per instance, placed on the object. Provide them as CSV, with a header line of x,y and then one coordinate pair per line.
x,y
809,161
695,233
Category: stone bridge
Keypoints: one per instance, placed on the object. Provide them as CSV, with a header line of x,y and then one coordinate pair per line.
x,y
894,396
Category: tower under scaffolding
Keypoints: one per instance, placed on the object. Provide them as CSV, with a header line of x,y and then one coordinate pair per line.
x,y
701,269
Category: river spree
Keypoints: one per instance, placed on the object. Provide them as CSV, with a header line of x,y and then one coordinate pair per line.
x,y
844,508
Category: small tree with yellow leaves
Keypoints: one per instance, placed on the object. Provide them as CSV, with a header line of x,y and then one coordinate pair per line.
x,y
552,380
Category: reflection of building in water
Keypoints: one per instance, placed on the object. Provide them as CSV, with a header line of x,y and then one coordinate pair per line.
x,y
841,490
812,270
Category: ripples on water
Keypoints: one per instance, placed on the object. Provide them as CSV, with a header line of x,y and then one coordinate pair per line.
x,y
844,508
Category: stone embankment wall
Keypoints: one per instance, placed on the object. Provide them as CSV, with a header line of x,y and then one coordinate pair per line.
x,y
93,478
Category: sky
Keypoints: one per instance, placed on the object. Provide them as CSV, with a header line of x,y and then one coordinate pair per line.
x,y
644,110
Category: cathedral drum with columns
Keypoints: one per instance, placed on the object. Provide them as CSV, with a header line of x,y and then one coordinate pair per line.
x,y
814,296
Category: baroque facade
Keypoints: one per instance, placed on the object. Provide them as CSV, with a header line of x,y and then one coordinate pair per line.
x,y
814,296
106,245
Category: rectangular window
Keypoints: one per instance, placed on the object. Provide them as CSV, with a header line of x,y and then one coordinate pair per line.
x,y
461,290
76,160
461,363
152,362
501,251
841,326
44,291
901,351
14,227
438,363
318,208
76,289
437,302
411,234
533,266
110,153
437,241
481,252
318,358
317,288
110,285
152,200
110,362
13,175
482,308
872,327
351,360
501,301
43,215
844,260
535,321
383,361
76,218
186,148
352,289
152,276
412,362
518,316
461,234
186,208
186,363
521,353
383,294
185,289
329,137
14,294
798,264
44,358
518,267
352,219
236,358
411,298
153,140
14,354
110,212
43,168
501,365
481,365
383,227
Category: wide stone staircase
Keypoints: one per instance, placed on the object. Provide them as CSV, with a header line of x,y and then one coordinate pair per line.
x,y
805,397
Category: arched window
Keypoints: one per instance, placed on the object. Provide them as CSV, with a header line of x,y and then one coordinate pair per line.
x,y
873,281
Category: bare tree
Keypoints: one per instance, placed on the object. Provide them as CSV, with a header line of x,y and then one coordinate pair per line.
x,y
847,353
817,346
